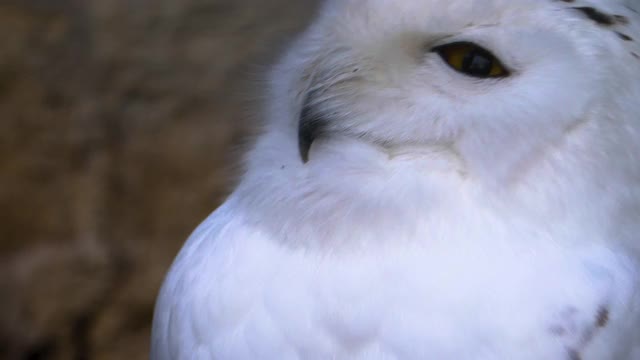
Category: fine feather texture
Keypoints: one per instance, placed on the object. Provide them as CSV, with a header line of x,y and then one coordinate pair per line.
x,y
432,215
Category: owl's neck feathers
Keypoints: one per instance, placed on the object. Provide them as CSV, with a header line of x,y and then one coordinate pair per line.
x,y
354,192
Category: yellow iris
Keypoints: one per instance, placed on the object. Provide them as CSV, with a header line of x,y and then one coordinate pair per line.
x,y
471,59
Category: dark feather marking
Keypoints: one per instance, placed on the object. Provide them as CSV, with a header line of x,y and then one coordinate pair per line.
x,y
621,19
574,355
624,36
311,125
596,15
603,317
635,55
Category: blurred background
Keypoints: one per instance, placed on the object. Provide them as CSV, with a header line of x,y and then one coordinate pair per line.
x,y
120,121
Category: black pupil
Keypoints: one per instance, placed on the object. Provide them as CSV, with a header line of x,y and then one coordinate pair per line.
x,y
477,62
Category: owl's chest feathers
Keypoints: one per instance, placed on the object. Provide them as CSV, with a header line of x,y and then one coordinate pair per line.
x,y
354,281
341,258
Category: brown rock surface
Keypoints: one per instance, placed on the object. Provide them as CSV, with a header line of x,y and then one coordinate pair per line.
x,y
118,122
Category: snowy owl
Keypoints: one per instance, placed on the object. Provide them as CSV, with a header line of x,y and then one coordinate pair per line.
x,y
440,180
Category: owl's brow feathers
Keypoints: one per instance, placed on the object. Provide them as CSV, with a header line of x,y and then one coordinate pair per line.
x,y
602,18
606,20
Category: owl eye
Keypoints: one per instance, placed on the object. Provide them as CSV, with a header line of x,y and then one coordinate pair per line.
x,y
470,59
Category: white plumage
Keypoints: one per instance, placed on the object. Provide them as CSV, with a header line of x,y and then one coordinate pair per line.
x,y
405,201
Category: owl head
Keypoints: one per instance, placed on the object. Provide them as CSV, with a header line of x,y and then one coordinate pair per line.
x,y
497,84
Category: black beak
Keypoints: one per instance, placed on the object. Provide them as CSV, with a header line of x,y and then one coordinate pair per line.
x,y
311,125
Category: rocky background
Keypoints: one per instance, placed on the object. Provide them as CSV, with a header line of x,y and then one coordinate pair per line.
x,y
119,120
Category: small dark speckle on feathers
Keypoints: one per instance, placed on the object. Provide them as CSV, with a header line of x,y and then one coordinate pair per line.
x,y
574,355
603,317
624,37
